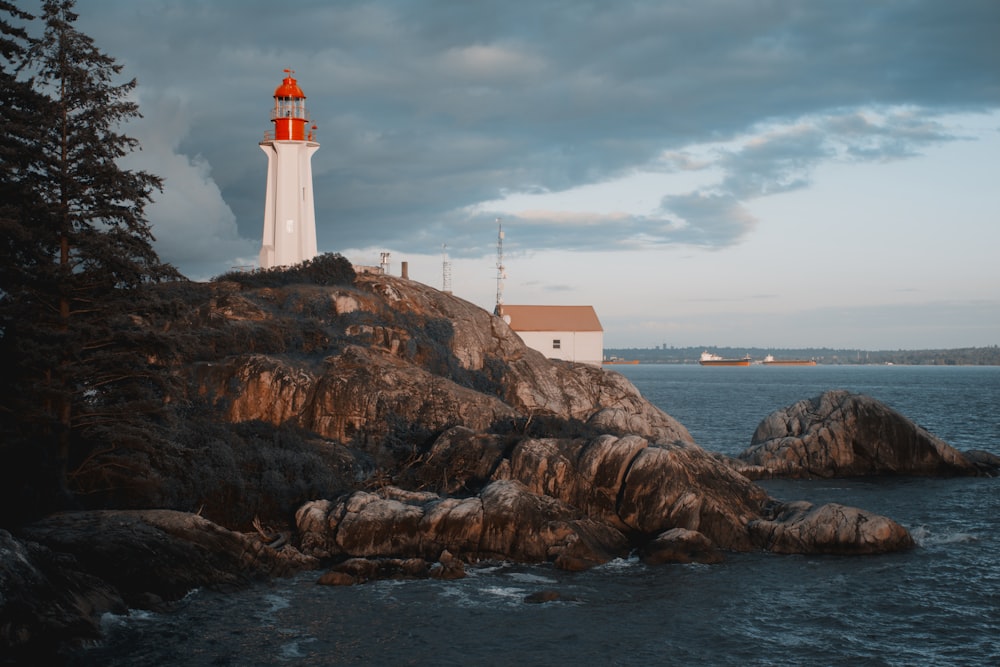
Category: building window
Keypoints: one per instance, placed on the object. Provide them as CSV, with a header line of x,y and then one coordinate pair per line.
x,y
556,344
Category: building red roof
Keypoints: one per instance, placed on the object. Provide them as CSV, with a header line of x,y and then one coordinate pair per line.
x,y
551,318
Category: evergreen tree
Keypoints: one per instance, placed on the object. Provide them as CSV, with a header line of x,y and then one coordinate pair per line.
x,y
20,105
79,255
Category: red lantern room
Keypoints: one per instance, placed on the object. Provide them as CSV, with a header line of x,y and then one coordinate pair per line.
x,y
289,115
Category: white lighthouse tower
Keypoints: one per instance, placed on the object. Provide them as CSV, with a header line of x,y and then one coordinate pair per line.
x,y
289,216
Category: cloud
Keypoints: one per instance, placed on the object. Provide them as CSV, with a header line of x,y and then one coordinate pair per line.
x,y
194,228
891,135
711,219
774,158
487,64
427,111
774,162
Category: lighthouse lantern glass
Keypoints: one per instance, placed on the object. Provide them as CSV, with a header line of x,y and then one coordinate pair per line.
x,y
289,107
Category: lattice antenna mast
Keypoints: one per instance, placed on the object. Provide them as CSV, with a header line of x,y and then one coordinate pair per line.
x,y
445,270
501,269
384,263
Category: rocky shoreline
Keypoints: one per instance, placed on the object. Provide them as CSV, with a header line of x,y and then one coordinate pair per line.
x,y
624,479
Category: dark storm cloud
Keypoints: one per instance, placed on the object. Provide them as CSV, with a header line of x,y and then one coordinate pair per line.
x,y
425,109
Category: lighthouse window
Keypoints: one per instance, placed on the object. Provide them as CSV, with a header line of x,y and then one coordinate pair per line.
x,y
556,343
285,107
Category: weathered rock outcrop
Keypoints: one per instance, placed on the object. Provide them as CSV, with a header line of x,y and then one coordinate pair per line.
x,y
641,488
59,575
46,601
505,521
479,373
987,463
803,528
840,434
150,556
359,570
637,486
578,503
679,545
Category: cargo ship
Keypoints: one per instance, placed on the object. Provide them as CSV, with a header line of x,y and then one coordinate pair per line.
x,y
617,360
771,361
709,359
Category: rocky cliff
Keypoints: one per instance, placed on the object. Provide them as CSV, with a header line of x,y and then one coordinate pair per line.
x,y
377,426
406,353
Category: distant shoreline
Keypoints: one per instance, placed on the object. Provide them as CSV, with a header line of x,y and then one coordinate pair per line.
x,y
967,356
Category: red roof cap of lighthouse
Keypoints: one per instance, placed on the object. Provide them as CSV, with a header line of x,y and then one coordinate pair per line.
x,y
289,87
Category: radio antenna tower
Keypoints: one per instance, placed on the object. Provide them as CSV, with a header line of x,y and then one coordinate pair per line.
x,y
384,263
501,270
445,270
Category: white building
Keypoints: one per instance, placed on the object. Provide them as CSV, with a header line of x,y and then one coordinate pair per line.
x,y
289,216
572,333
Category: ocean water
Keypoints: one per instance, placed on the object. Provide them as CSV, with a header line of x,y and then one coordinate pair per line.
x,y
938,604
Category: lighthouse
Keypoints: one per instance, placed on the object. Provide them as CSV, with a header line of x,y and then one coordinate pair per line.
x,y
289,216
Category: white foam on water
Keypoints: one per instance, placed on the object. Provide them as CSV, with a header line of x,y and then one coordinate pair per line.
x,y
925,537
270,605
470,595
505,592
110,620
619,564
530,578
292,650
277,602
487,567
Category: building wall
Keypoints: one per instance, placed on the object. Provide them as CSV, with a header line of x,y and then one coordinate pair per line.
x,y
582,346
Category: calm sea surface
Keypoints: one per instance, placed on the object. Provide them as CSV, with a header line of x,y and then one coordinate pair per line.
x,y
936,605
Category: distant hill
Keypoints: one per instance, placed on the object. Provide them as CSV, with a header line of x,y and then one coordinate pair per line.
x,y
966,356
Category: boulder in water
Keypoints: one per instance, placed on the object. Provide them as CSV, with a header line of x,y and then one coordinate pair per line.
x,y
540,597
680,546
987,462
803,528
841,434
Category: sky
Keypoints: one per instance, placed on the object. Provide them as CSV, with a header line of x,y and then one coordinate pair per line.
x,y
758,173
